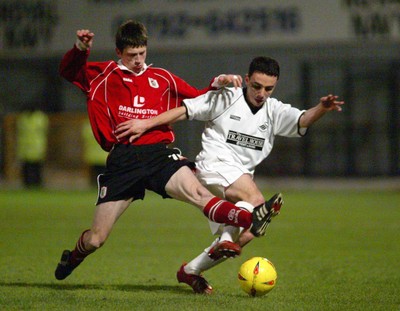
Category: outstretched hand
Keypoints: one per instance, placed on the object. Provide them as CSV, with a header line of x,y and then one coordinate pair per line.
x,y
132,128
85,38
330,102
236,80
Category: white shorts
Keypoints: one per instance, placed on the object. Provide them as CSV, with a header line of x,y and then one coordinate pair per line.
x,y
216,177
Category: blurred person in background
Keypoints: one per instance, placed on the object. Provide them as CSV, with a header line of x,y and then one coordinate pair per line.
x,y
94,157
240,128
32,134
130,89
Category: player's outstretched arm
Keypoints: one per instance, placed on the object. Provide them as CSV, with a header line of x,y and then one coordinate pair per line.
x,y
326,104
136,127
73,64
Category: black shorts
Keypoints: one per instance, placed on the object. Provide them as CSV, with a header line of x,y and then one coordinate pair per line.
x,y
132,169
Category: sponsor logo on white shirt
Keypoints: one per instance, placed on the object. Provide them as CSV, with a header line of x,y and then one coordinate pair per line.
x,y
244,140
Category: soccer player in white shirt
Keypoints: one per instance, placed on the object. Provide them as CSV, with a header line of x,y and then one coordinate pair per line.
x,y
241,126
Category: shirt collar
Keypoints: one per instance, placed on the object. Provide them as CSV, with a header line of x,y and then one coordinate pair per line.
x,y
123,67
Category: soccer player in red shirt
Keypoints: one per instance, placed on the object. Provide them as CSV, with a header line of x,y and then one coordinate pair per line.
x,y
126,89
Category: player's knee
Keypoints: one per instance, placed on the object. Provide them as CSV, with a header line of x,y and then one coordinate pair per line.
x,y
97,240
196,192
202,192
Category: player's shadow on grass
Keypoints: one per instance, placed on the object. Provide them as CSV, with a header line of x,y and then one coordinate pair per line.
x,y
121,287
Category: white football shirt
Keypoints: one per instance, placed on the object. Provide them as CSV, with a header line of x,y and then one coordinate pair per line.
x,y
234,134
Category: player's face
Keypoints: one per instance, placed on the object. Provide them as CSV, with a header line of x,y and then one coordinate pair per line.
x,y
133,58
259,87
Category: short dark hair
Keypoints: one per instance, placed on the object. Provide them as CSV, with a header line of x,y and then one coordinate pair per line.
x,y
266,65
131,34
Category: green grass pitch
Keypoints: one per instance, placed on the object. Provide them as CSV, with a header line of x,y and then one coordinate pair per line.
x,y
332,251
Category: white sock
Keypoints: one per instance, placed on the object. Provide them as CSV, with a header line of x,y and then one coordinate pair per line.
x,y
203,262
230,233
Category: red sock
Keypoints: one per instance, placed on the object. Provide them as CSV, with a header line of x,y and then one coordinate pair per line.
x,y
224,212
80,252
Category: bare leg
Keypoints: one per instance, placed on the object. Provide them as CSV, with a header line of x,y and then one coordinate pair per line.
x,y
105,217
184,186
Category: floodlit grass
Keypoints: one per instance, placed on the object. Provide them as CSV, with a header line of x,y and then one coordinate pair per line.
x,y
332,251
